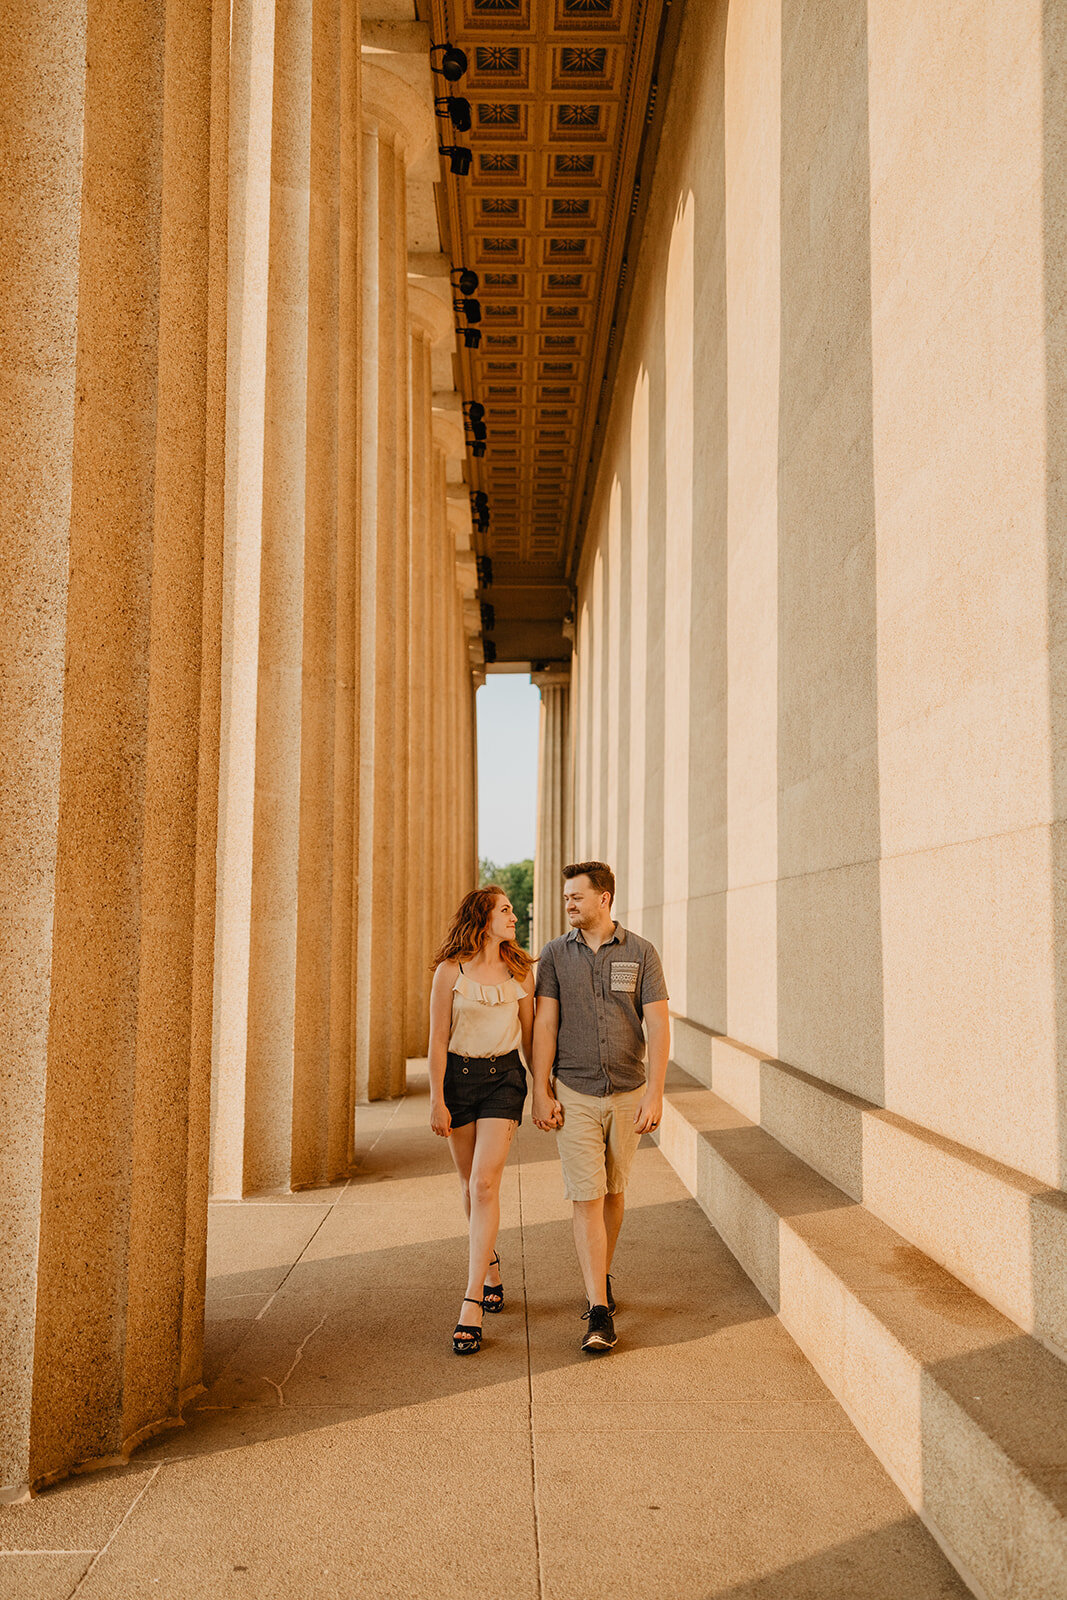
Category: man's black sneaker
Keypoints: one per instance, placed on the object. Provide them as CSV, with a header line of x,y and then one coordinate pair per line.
x,y
600,1335
611,1300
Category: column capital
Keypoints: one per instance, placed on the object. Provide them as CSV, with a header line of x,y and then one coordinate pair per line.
x,y
397,108
428,312
551,678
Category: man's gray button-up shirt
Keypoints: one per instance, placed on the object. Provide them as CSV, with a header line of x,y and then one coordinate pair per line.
x,y
600,1048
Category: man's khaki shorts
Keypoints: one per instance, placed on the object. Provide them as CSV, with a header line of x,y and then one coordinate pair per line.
x,y
597,1141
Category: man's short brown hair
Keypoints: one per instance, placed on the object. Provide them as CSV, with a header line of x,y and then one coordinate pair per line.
x,y
599,874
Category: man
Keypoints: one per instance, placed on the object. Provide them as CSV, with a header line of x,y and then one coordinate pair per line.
x,y
595,986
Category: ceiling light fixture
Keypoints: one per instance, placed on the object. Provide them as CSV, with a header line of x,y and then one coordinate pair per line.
x,y
459,158
453,62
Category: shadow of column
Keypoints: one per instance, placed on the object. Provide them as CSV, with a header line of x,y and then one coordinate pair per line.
x,y
619,677
1046,1232
830,1018
655,679
706,988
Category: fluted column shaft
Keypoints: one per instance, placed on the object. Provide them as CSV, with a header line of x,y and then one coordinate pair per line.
x,y
377,852
420,776
42,139
269,1084
396,125
436,893
553,786
401,534
105,297
322,1098
344,972
431,324
284,959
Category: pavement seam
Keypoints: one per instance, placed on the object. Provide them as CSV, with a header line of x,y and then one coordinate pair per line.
x,y
130,1509
322,1223
529,1395
266,1307
386,1125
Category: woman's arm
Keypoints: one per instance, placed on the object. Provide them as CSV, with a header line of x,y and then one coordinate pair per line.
x,y
526,1020
440,1028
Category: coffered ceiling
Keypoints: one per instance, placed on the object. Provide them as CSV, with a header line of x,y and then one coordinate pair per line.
x,y
563,97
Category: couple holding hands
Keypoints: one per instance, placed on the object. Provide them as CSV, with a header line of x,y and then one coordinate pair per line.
x,y
585,1046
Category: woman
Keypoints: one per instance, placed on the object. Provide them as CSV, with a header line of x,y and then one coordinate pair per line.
x,y
481,1009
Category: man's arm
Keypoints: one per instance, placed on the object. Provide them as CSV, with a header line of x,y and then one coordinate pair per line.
x,y
658,1023
547,1111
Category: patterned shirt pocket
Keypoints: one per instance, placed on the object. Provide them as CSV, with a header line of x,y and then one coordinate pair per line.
x,y
624,976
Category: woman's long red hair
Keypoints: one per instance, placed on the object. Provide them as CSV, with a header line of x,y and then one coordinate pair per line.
x,y
469,930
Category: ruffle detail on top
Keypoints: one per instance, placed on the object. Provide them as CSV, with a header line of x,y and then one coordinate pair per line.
x,y
488,994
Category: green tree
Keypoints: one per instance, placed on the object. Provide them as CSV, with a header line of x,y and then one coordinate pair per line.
x,y
516,880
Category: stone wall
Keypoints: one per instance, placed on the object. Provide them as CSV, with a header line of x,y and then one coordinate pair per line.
x,y
817,706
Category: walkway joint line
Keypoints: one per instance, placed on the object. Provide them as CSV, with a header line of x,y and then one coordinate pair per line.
x,y
130,1509
322,1223
529,1395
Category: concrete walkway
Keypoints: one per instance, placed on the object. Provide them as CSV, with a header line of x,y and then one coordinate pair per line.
x,y
342,1452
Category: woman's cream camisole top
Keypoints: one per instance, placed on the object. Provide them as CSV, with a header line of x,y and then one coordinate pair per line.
x,y
485,1016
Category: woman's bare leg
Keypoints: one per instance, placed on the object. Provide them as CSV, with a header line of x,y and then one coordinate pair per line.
x,y
492,1143
461,1144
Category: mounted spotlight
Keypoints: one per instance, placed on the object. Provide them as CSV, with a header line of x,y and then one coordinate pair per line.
x,y
478,448
465,280
488,617
453,62
471,309
489,651
480,514
459,158
472,337
479,432
475,410
485,571
456,109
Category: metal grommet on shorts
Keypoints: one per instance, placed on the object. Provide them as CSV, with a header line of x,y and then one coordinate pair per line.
x,y
465,1071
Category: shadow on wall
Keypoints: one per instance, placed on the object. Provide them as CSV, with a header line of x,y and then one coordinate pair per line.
x,y
1047,1266
706,944
1055,205
830,1018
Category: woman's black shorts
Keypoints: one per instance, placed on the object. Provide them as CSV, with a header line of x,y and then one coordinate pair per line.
x,y
495,1087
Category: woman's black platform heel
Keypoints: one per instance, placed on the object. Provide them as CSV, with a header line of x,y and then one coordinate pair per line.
x,y
472,1343
493,1292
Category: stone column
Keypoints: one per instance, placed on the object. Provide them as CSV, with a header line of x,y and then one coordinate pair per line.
x,y
276,816
553,806
251,95
322,1105
342,1092
431,323
444,433
203,995
41,134
397,125
260,783
105,277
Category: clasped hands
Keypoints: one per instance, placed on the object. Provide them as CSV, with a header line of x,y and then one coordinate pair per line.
x,y
547,1112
